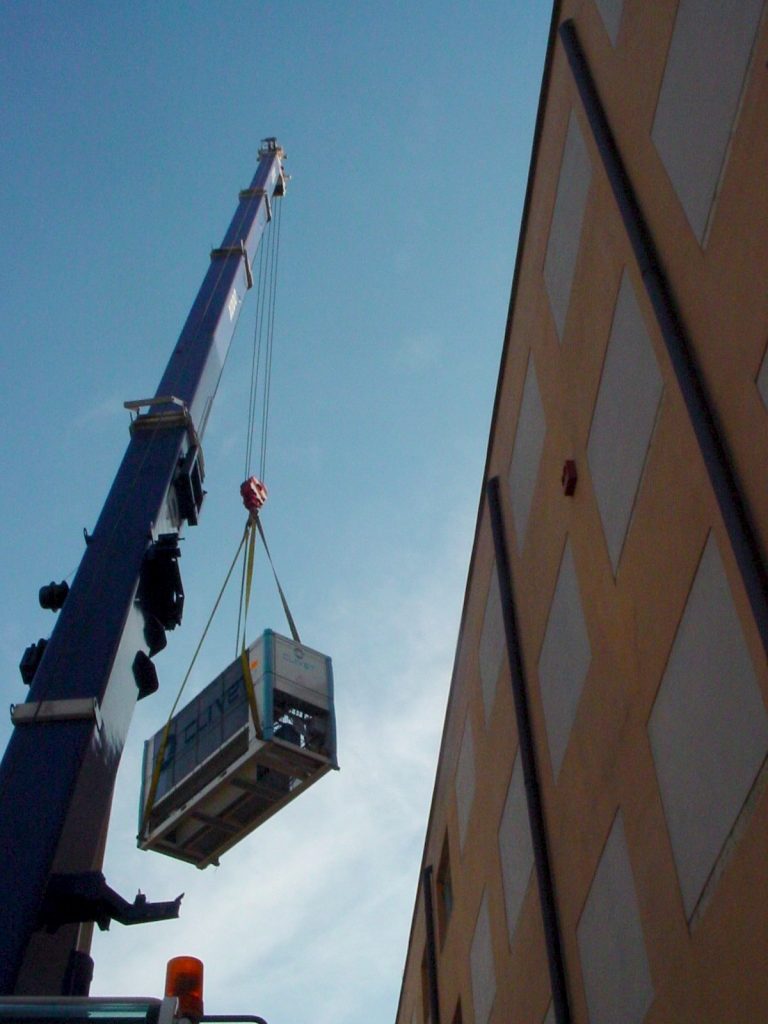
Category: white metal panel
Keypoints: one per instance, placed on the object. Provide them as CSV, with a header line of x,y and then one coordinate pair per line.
x,y
762,381
564,660
708,728
625,413
567,218
465,780
298,664
526,453
515,847
481,965
614,963
699,100
491,645
610,12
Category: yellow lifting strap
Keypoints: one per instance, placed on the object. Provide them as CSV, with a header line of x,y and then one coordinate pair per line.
x,y
158,765
283,599
247,677
249,538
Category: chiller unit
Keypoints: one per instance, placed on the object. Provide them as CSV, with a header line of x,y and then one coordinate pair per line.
x,y
220,773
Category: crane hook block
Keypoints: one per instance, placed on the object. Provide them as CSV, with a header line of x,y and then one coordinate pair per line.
x,y
254,494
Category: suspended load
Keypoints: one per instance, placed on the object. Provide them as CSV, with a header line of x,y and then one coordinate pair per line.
x,y
261,733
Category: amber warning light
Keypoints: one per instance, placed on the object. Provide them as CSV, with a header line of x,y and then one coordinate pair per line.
x,y
184,980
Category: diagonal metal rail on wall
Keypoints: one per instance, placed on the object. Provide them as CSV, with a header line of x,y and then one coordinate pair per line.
x,y
728,491
527,747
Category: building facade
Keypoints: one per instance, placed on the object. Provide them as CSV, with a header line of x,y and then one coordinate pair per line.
x,y
615,623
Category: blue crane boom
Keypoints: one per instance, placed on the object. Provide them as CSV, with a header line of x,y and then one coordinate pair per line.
x,y
58,772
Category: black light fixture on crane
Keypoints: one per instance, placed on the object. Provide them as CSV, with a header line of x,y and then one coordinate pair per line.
x,y
53,595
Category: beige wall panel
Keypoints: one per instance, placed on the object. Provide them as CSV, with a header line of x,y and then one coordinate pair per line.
x,y
613,957
482,966
463,683
731,326
515,847
492,645
697,109
625,413
526,452
526,971
708,727
724,312
410,1008
567,217
629,73
610,12
672,515
580,367
659,904
631,620
762,380
465,780
564,660
730,940
627,79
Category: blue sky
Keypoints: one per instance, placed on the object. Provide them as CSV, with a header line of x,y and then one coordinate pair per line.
x,y
127,131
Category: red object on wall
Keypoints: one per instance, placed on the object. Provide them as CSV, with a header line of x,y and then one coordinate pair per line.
x,y
569,478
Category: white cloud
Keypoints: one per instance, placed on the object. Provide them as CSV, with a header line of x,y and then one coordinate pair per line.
x,y
98,413
419,350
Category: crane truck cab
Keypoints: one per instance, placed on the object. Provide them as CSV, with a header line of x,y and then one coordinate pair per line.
x,y
87,1010
181,1004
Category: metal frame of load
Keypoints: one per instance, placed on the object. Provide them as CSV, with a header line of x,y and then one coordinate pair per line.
x,y
221,777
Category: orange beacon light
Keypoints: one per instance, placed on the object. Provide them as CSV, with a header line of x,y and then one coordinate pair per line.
x,y
184,980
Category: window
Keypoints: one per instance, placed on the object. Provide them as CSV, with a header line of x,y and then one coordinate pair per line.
x,y
94,1010
426,1016
444,892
